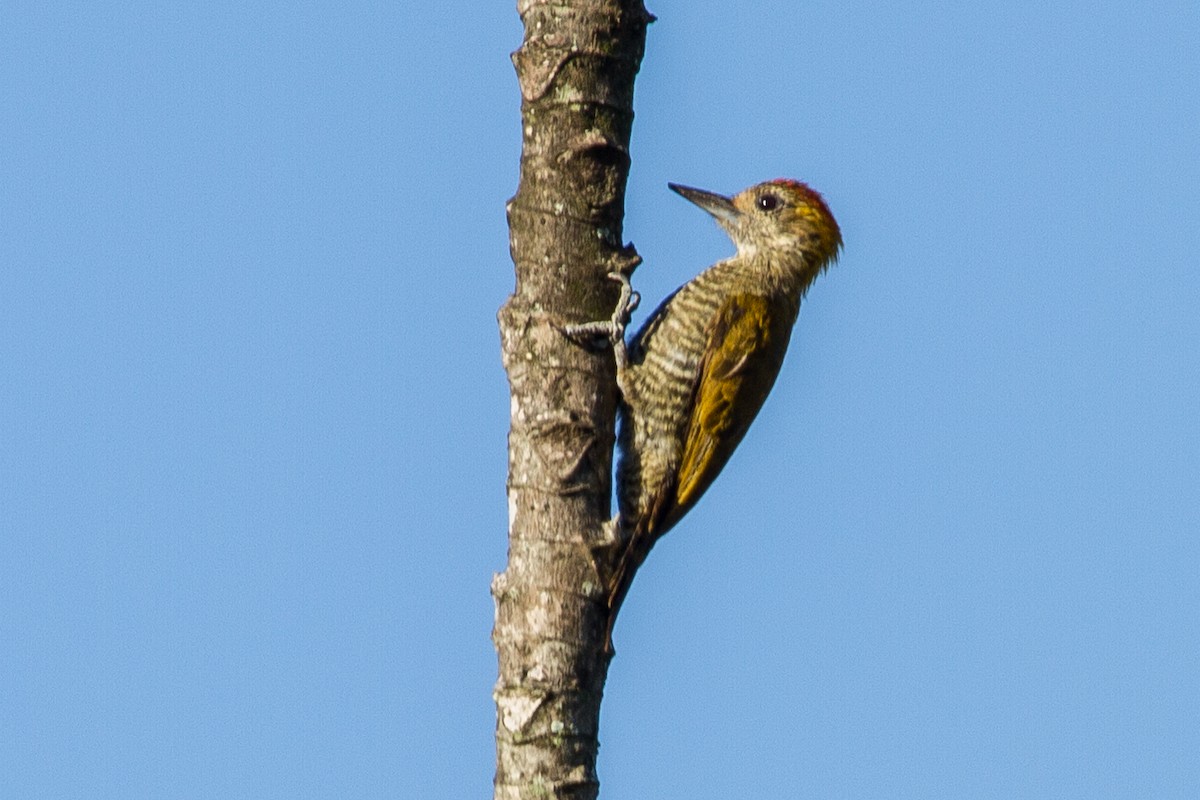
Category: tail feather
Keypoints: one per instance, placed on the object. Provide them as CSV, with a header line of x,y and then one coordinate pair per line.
x,y
641,541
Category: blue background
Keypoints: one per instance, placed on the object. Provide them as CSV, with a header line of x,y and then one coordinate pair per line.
x,y
253,419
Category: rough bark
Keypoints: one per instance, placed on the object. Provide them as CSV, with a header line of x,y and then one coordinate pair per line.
x,y
576,69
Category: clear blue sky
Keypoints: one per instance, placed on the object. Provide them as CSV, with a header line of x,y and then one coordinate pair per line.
x,y
253,419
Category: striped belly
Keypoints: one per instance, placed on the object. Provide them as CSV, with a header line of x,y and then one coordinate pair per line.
x,y
665,364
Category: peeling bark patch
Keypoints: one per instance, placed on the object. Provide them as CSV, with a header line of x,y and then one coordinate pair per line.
x,y
517,711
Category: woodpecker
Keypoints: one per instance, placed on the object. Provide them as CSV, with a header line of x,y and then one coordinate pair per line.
x,y
696,374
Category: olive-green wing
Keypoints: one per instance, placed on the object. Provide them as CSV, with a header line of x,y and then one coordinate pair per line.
x,y
745,348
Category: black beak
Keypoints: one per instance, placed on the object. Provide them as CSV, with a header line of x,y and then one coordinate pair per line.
x,y
718,205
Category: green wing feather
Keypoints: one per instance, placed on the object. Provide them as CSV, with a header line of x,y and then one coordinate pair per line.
x,y
745,348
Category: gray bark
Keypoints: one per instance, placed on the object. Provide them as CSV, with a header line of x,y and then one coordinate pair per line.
x,y
576,69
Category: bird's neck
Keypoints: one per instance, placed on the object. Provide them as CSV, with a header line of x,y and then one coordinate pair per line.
x,y
787,271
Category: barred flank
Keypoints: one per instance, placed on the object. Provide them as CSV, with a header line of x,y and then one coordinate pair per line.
x,y
666,356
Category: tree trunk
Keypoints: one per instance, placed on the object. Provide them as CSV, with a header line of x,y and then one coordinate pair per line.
x,y
576,69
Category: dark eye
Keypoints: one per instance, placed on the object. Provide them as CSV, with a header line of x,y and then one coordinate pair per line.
x,y
768,202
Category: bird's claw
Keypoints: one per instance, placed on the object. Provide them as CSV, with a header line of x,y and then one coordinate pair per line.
x,y
612,535
612,328
627,303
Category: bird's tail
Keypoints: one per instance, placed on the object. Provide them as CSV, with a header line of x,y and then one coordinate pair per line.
x,y
640,542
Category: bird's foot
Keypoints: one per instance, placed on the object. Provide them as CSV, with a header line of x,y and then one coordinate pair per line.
x,y
612,534
612,328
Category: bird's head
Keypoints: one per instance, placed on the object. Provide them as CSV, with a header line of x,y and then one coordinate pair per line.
x,y
779,215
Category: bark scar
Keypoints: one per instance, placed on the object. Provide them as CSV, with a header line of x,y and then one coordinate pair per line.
x,y
537,68
516,711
